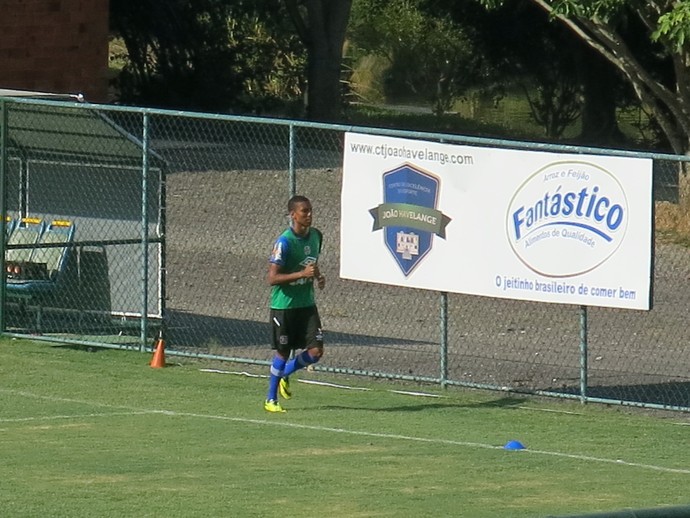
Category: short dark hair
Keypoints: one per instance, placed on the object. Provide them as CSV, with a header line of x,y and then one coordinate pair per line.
x,y
295,200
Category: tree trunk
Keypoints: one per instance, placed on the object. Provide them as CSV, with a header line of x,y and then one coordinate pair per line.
x,y
324,92
322,29
599,81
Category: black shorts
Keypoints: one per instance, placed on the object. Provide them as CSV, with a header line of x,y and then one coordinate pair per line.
x,y
298,328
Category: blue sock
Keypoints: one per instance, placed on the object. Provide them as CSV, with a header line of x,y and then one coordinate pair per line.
x,y
299,362
276,373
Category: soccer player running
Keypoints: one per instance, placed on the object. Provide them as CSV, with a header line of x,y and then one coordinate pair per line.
x,y
292,271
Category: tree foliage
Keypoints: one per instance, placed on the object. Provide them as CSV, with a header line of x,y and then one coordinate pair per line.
x,y
663,27
206,54
520,46
429,57
174,50
541,57
273,62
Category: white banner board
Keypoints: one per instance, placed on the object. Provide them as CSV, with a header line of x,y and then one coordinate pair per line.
x,y
526,225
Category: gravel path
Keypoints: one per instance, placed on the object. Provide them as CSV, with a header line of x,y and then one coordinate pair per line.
x,y
221,224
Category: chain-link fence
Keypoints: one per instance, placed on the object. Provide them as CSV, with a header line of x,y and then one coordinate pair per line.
x,y
78,264
171,217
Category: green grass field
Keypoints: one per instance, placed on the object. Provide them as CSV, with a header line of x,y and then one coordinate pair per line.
x,y
100,433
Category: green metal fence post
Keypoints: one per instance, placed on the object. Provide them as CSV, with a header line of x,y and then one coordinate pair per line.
x,y
144,232
3,206
291,173
583,354
444,339
291,164
163,268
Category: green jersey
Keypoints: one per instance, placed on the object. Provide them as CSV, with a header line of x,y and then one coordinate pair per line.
x,y
292,253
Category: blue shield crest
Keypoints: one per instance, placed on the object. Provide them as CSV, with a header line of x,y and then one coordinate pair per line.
x,y
409,216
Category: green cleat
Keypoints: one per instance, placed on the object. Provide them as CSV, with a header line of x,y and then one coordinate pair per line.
x,y
273,406
284,388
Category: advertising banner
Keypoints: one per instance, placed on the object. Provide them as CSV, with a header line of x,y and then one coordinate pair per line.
x,y
526,225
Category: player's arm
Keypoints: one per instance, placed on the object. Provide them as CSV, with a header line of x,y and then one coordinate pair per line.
x,y
318,276
277,276
276,263
321,281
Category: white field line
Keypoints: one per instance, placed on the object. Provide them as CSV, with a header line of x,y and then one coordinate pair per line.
x,y
69,417
552,410
332,385
321,383
266,422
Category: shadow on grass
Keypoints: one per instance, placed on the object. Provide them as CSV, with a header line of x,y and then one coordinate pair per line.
x,y
672,394
505,402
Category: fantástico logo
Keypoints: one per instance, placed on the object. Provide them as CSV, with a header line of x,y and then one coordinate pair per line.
x,y
567,219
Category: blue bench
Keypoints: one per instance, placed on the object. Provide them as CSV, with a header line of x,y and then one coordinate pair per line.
x,y
22,237
37,255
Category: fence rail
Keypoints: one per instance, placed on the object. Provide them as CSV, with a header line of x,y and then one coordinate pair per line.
x,y
174,216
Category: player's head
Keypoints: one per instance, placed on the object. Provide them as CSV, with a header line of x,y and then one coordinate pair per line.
x,y
300,210
295,200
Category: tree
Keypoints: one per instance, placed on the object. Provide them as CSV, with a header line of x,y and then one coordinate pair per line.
x,y
557,102
321,25
178,52
520,45
665,24
541,57
429,56
602,93
207,54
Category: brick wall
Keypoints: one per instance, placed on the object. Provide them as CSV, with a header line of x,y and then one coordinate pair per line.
x,y
56,46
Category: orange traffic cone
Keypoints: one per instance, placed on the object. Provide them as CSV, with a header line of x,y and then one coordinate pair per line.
x,y
158,360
